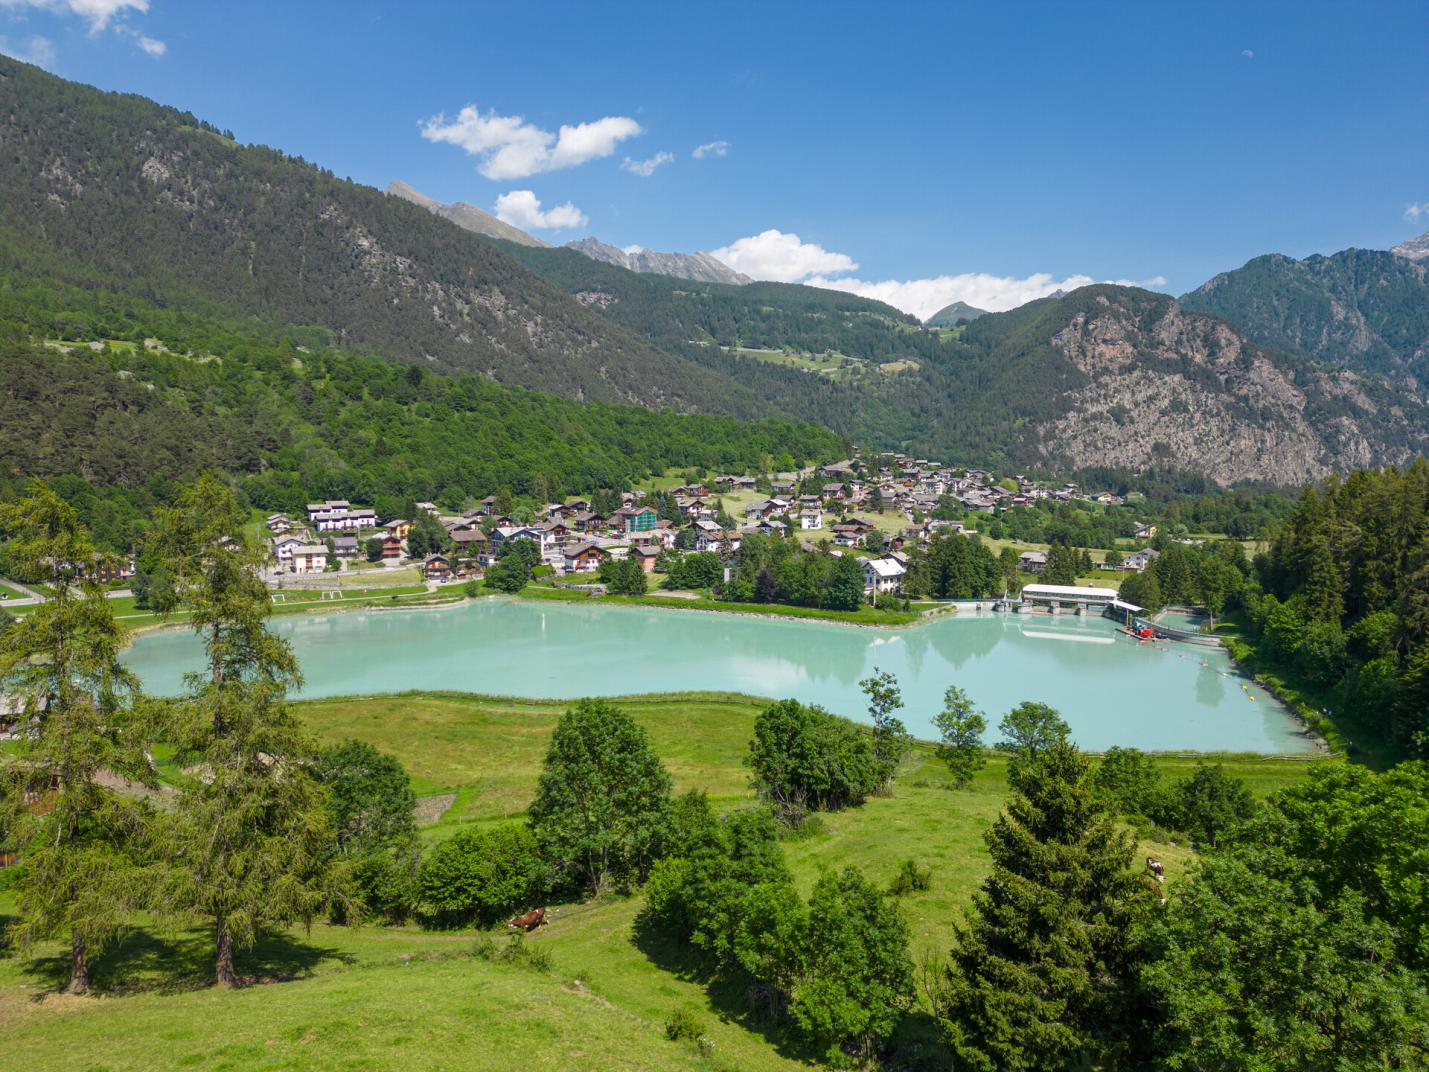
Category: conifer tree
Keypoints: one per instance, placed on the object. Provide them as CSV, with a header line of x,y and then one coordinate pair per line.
x,y
251,831
78,876
1042,971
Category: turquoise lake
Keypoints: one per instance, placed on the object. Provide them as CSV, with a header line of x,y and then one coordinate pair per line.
x,y
1111,689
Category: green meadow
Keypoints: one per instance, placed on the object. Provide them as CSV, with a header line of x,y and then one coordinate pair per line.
x,y
371,997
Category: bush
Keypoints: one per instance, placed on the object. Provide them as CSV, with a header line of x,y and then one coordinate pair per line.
x,y
483,876
471,589
386,885
683,1024
803,757
910,878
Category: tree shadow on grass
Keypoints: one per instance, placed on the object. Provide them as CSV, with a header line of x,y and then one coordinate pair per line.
x,y
734,1000
146,961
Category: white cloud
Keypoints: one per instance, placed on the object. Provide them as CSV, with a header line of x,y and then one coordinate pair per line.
x,y
784,258
711,148
37,50
99,13
632,249
646,168
146,44
1248,53
511,148
994,293
1413,212
522,208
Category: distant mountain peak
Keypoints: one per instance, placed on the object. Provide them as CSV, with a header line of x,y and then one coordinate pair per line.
x,y
699,267
466,216
1416,249
950,316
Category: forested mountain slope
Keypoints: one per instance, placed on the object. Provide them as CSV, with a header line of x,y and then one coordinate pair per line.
x,y
115,191
1363,309
168,394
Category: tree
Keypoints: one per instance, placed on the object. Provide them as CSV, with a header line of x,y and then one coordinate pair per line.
x,y
624,577
875,500
875,542
1063,565
766,589
1142,589
507,575
1129,781
1113,560
370,797
372,549
427,536
1256,966
891,741
78,875
372,806
803,757
1043,971
845,589
840,963
483,875
1211,802
1031,728
602,807
251,836
960,728
1010,562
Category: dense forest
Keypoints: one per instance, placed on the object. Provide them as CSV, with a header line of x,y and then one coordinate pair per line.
x,y
1346,602
115,427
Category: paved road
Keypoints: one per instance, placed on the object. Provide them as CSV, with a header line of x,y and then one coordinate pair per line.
x,y
30,598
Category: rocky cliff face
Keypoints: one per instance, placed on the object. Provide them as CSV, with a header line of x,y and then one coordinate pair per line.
x,y
700,267
1416,249
1148,383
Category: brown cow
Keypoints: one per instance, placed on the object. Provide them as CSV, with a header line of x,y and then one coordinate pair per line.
x,y
530,921
1156,868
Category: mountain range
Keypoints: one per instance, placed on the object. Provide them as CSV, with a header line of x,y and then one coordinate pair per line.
x,y
1280,371
701,267
465,216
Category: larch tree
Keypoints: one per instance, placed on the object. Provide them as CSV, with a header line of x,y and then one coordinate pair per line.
x,y
252,831
79,840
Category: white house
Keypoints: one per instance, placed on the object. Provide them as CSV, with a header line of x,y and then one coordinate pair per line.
x,y
309,558
882,575
811,518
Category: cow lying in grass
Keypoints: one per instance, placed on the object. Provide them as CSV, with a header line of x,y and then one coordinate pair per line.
x,y
530,921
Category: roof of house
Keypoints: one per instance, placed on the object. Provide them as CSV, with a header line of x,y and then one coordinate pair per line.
x,y
884,567
1068,591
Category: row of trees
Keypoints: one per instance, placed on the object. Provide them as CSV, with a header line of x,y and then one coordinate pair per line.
x,y
772,570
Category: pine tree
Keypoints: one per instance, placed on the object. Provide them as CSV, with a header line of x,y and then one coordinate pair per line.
x,y
252,831
1042,970
78,876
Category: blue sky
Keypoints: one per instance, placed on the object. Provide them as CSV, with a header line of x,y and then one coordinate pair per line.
x,y
979,151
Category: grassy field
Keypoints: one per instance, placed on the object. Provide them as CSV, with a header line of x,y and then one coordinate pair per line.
x,y
402,998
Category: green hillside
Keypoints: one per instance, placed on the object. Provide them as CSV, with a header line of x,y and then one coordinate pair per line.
x,y
1361,309
116,427
114,191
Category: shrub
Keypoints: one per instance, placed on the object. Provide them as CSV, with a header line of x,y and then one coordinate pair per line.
x,y
471,589
483,875
683,1024
910,878
514,951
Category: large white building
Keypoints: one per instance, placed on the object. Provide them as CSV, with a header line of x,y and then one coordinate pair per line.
x,y
882,575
